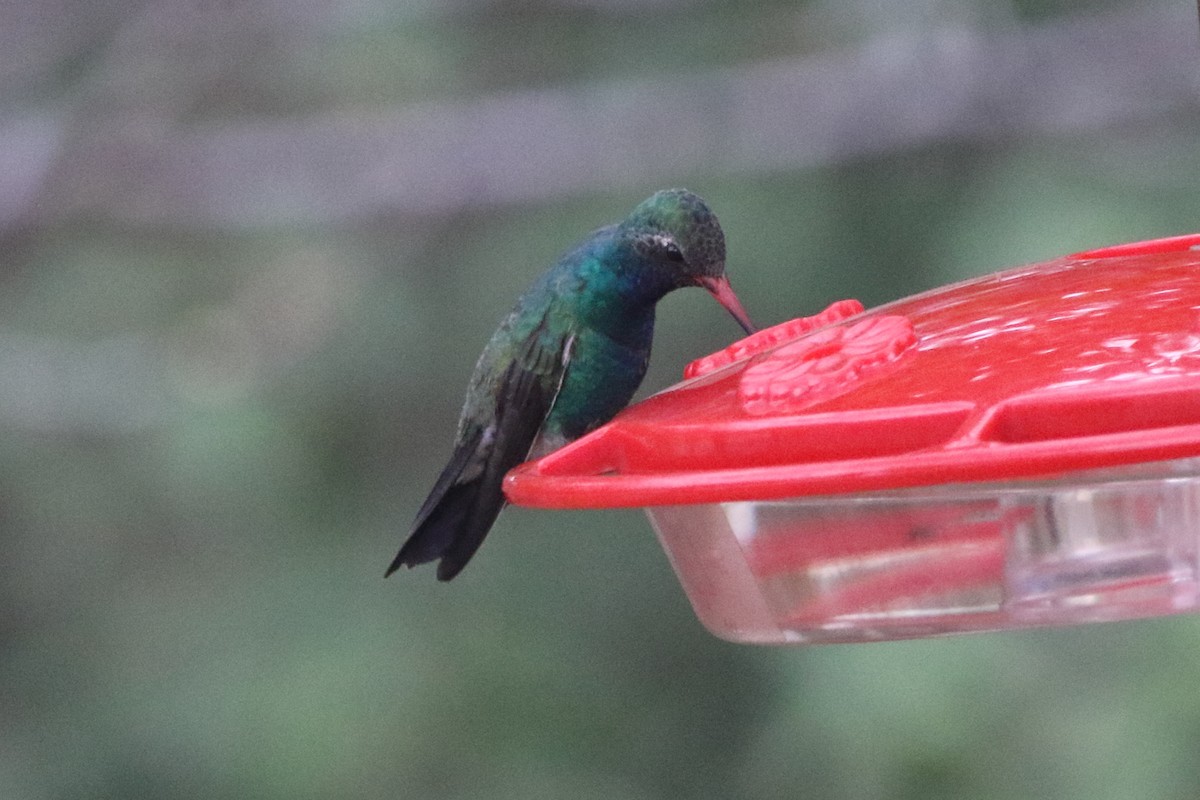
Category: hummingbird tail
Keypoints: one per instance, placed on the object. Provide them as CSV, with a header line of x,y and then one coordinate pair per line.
x,y
458,513
452,530
468,496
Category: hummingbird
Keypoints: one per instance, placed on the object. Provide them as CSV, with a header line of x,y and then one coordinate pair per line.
x,y
566,359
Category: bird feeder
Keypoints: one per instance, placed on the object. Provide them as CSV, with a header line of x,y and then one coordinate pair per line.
x,y
1017,450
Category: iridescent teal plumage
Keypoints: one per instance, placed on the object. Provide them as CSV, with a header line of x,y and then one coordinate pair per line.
x,y
567,358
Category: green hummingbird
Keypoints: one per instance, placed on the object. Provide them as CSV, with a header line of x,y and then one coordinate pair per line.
x,y
567,358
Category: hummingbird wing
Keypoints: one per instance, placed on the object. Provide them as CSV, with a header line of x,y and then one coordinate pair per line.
x,y
507,404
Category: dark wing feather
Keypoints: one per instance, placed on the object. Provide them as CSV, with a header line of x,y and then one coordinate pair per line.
x,y
468,495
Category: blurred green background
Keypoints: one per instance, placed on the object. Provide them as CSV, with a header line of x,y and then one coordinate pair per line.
x,y
249,254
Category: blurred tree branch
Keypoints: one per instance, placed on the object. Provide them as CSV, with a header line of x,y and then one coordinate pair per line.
x,y
139,161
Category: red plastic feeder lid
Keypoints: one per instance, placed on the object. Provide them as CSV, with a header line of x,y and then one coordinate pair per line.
x,y
1084,362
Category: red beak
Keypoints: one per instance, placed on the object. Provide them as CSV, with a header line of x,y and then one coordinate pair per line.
x,y
719,288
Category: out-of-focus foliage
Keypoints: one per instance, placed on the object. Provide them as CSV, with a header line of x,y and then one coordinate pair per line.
x,y
238,313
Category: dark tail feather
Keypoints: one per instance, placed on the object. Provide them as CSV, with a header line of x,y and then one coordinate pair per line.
x,y
468,496
432,534
452,530
444,513
484,506
456,516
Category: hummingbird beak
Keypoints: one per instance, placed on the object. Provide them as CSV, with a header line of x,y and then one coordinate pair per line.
x,y
719,288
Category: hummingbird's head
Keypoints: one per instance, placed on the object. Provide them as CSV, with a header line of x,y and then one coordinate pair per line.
x,y
677,234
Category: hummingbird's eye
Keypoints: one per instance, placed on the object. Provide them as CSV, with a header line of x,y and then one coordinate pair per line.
x,y
659,245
